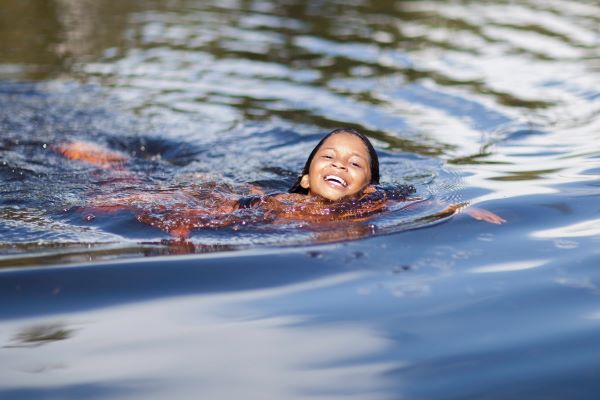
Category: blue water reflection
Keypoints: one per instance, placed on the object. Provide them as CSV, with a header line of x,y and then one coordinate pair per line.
x,y
494,103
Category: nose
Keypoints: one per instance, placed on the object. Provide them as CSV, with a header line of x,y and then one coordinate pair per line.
x,y
339,165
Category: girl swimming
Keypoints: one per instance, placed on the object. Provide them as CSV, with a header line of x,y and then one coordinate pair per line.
x,y
344,163
340,180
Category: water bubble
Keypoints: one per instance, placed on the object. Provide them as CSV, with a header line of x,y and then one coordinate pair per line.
x,y
44,145
89,217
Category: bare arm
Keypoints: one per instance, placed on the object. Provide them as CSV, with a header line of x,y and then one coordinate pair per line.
x,y
91,153
479,214
484,215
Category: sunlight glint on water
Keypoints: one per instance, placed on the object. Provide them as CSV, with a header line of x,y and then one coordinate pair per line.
x,y
495,103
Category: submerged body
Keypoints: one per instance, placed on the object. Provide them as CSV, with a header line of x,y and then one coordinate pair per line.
x,y
340,182
181,210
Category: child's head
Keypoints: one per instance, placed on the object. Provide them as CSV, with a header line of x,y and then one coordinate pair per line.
x,y
341,165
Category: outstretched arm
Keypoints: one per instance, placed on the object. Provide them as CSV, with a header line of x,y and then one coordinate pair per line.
x,y
91,153
484,215
478,213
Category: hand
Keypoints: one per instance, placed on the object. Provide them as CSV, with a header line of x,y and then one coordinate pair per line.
x,y
90,152
484,215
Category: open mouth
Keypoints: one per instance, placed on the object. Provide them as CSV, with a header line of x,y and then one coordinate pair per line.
x,y
336,179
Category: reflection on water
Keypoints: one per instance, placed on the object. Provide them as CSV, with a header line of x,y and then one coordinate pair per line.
x,y
174,347
494,103
589,228
38,335
439,72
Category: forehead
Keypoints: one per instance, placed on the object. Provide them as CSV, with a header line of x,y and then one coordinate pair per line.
x,y
347,142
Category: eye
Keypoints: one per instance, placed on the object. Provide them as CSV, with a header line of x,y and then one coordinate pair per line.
x,y
327,156
355,164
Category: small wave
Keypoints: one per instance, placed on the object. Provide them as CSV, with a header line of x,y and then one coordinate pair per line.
x,y
162,180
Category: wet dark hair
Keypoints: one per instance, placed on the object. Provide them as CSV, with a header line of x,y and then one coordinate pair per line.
x,y
374,160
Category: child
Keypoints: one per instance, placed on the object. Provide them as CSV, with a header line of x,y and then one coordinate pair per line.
x,y
344,163
343,167
340,180
342,174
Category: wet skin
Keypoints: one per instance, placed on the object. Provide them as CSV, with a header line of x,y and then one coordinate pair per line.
x,y
338,183
91,153
339,169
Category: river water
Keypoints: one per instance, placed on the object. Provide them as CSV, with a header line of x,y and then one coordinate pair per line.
x,y
491,104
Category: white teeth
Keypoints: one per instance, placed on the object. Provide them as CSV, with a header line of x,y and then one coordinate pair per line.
x,y
336,179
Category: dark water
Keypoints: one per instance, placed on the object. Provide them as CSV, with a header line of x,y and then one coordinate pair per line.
x,y
491,103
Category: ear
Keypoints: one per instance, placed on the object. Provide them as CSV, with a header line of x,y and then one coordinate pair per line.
x,y
304,182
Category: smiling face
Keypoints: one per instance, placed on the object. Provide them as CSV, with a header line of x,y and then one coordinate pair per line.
x,y
340,168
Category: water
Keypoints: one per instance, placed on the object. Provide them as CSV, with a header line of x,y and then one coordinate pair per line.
x,y
491,103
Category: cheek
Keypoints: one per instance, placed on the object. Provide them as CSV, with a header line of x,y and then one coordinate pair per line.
x,y
314,168
312,175
362,177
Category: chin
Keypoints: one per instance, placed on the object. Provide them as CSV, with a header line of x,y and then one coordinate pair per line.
x,y
334,196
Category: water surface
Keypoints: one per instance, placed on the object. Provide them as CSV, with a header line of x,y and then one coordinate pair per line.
x,y
495,104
